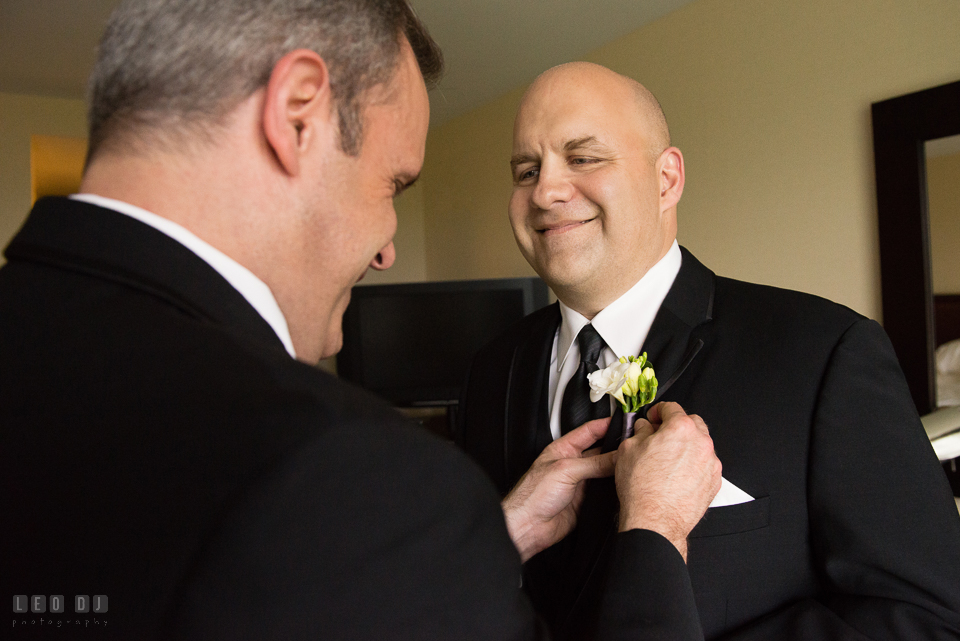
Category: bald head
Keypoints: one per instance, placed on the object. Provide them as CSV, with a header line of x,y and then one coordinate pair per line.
x,y
596,183
597,80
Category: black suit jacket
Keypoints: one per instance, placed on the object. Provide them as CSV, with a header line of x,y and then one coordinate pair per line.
x,y
852,533
158,446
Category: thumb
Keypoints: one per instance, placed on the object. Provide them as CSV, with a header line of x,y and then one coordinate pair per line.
x,y
574,442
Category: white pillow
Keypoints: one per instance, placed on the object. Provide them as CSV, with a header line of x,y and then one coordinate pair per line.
x,y
948,374
948,358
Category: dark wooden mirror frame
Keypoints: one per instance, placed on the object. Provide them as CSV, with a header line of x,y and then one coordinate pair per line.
x,y
900,127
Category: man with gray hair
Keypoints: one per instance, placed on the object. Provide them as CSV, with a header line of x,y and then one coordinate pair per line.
x,y
168,453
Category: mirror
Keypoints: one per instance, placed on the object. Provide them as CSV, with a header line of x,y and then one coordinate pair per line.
x,y
901,127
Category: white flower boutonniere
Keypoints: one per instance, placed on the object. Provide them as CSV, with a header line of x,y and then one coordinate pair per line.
x,y
631,381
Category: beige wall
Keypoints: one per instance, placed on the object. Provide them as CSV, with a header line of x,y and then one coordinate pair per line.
x,y
56,165
769,101
943,196
20,118
467,182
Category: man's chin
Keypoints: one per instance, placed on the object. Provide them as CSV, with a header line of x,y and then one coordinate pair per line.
x,y
333,344
561,271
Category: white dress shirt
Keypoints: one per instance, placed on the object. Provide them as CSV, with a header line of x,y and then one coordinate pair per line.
x,y
253,289
623,325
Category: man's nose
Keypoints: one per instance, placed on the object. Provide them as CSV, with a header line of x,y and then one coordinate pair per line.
x,y
384,257
553,186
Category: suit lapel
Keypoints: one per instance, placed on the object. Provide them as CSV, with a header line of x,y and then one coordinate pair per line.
x,y
527,423
674,338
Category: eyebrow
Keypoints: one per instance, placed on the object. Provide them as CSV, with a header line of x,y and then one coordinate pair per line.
x,y
586,142
519,159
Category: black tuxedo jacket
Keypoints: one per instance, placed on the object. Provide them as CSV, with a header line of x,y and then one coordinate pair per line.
x,y
158,446
852,534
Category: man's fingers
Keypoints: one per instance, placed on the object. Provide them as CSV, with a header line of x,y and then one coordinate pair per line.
x,y
577,440
590,467
666,412
599,466
642,428
700,424
653,413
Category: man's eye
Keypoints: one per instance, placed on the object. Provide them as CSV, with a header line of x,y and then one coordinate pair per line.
x,y
528,174
582,161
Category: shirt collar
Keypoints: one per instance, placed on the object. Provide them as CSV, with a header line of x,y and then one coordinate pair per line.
x,y
624,323
254,290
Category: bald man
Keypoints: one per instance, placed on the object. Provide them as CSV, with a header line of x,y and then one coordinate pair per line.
x,y
835,520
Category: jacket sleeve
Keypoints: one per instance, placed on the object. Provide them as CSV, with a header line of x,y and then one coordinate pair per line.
x,y
883,526
648,594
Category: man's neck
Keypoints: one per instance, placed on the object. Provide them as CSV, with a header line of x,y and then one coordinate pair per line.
x,y
207,195
592,298
625,323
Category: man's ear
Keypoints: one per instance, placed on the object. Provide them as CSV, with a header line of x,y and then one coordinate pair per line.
x,y
297,110
670,166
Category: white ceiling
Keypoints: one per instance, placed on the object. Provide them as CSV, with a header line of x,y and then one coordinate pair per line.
x,y
491,46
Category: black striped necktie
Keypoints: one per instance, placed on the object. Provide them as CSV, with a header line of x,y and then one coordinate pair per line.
x,y
576,408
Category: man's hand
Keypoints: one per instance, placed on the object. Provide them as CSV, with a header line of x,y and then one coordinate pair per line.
x,y
542,508
667,474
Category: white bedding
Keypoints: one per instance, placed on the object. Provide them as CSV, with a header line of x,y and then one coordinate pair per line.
x,y
948,374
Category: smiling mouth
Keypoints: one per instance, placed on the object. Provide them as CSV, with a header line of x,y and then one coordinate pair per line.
x,y
563,227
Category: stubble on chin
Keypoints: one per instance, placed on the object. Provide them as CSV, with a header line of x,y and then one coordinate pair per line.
x,y
561,274
561,261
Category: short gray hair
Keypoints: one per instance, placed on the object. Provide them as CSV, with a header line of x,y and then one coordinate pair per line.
x,y
182,65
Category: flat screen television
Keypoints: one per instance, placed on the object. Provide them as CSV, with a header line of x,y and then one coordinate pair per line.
x,y
413,343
